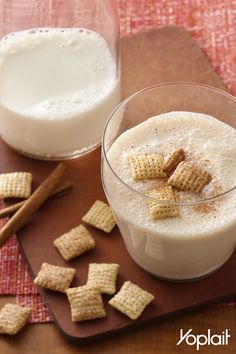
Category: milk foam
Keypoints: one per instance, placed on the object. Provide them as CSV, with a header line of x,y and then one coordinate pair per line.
x,y
206,141
58,83
203,237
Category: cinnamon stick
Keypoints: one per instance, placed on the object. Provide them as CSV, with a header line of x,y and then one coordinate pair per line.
x,y
9,211
31,205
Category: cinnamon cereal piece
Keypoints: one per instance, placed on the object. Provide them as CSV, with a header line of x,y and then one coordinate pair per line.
x,y
173,160
131,300
103,276
86,303
146,166
100,216
54,277
161,211
189,177
15,185
74,242
13,318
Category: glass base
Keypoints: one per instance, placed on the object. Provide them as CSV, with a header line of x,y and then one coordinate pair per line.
x,y
191,279
60,157
184,280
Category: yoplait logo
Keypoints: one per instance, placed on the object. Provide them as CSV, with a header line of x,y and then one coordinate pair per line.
x,y
204,339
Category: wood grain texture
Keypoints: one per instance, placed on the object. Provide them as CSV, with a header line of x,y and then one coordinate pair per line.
x,y
163,55
59,215
147,59
154,339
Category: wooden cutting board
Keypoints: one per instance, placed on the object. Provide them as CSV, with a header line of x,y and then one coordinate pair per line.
x,y
163,55
167,54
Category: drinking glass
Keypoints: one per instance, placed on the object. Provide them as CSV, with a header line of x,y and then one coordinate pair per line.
x,y
168,253
59,74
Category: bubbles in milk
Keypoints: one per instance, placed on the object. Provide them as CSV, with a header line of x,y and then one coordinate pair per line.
x,y
67,77
64,37
200,136
79,56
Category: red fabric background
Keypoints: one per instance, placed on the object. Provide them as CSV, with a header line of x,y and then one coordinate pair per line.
x,y
212,23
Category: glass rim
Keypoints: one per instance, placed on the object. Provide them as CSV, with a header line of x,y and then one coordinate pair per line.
x,y
123,103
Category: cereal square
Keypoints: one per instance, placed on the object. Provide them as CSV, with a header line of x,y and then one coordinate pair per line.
x,y
162,211
54,277
103,276
15,185
145,166
189,177
173,160
13,318
86,303
74,242
131,300
100,216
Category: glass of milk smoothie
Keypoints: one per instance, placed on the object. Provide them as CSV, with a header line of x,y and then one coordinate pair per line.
x,y
59,75
197,235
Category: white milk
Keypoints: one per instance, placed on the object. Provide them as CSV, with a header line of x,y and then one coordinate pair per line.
x,y
203,237
57,89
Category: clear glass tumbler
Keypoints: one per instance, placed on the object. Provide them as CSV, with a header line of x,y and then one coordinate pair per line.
x,y
203,237
59,74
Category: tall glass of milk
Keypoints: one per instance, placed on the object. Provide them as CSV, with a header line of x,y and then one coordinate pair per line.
x,y
59,75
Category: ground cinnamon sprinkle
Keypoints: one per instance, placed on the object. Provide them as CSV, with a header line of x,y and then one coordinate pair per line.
x,y
161,182
205,208
198,208
206,162
217,188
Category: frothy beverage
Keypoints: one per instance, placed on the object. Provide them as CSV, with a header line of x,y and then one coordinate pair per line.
x,y
203,237
57,89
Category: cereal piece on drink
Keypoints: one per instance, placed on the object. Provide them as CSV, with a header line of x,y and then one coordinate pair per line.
x,y
85,303
146,166
15,185
189,177
131,300
13,318
54,277
173,160
103,276
100,216
74,242
162,211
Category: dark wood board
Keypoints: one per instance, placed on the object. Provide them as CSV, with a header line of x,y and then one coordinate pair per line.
x,y
168,54
164,55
